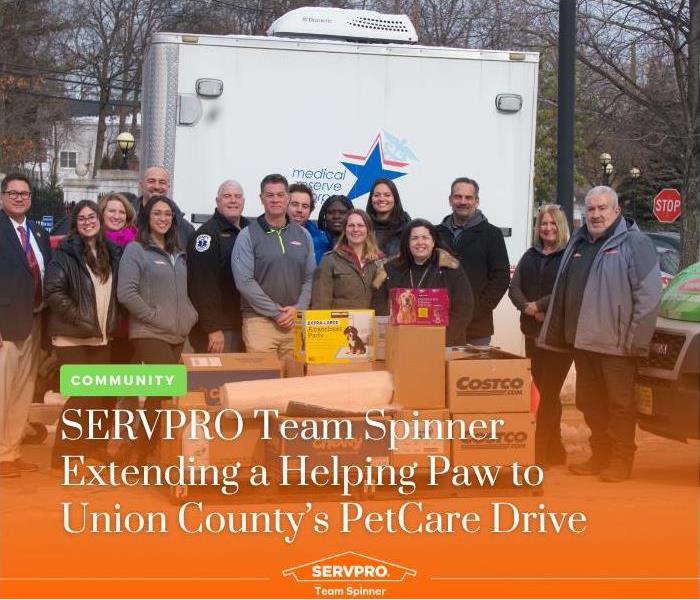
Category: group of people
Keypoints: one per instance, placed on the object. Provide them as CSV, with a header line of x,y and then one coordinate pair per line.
x,y
133,281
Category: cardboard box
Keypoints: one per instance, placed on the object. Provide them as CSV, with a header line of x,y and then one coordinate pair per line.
x,y
297,368
352,451
334,336
380,350
488,381
415,356
411,450
247,448
515,441
208,372
419,306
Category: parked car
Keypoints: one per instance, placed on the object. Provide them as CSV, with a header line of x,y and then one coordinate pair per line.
x,y
668,248
668,386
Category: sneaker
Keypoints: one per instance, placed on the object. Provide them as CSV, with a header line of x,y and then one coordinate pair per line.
x,y
8,469
25,467
616,472
593,466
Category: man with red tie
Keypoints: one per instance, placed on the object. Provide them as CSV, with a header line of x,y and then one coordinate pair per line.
x,y
25,251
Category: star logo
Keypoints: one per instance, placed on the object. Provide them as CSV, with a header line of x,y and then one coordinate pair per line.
x,y
370,167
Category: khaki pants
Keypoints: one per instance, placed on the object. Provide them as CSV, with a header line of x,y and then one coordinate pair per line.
x,y
19,363
261,334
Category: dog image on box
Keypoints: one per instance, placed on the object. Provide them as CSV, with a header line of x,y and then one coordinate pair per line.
x,y
355,343
407,312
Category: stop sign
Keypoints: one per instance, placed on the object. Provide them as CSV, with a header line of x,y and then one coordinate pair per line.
x,y
667,205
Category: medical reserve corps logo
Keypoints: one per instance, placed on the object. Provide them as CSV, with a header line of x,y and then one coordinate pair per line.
x,y
202,242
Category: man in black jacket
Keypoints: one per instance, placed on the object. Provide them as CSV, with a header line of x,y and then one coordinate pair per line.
x,y
481,251
156,182
25,251
209,279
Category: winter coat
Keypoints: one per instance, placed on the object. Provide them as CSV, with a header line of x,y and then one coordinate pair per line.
x,y
389,235
70,292
153,289
482,253
622,294
533,281
340,281
209,278
444,272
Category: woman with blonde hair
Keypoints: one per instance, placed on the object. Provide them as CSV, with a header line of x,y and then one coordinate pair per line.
x,y
344,278
119,218
529,291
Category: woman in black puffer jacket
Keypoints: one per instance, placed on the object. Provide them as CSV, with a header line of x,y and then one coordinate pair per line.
x,y
530,289
424,263
81,294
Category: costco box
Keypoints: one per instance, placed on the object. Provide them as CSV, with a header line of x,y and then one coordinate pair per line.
x,y
415,356
247,448
411,450
334,336
353,451
487,381
297,368
515,441
419,306
208,372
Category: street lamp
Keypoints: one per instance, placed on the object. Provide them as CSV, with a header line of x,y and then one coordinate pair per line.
x,y
125,141
634,174
605,160
608,170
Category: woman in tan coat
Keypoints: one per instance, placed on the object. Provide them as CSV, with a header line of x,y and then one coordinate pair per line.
x,y
343,280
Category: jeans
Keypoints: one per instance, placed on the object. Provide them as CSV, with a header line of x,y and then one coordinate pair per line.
x,y
72,355
153,351
549,370
605,396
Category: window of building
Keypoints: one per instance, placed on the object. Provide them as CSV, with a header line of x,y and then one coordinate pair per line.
x,y
69,160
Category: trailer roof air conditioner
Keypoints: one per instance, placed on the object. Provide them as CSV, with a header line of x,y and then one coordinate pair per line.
x,y
343,24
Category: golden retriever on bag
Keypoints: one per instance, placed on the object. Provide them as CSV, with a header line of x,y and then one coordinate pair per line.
x,y
407,308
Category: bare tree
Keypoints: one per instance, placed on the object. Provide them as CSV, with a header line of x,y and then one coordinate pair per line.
x,y
104,50
644,57
29,95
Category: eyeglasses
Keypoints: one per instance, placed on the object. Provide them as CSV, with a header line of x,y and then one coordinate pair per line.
x,y
87,219
165,214
14,194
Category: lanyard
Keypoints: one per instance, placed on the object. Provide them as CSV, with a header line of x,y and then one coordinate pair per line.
x,y
410,274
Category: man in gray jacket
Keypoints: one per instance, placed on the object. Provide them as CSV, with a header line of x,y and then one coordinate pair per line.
x,y
604,307
273,265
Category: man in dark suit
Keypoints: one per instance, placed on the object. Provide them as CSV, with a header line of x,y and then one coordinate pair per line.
x,y
25,251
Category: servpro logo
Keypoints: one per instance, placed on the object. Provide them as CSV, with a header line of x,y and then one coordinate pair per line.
x,y
472,386
349,567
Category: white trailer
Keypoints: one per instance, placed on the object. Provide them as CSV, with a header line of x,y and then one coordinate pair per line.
x,y
337,114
